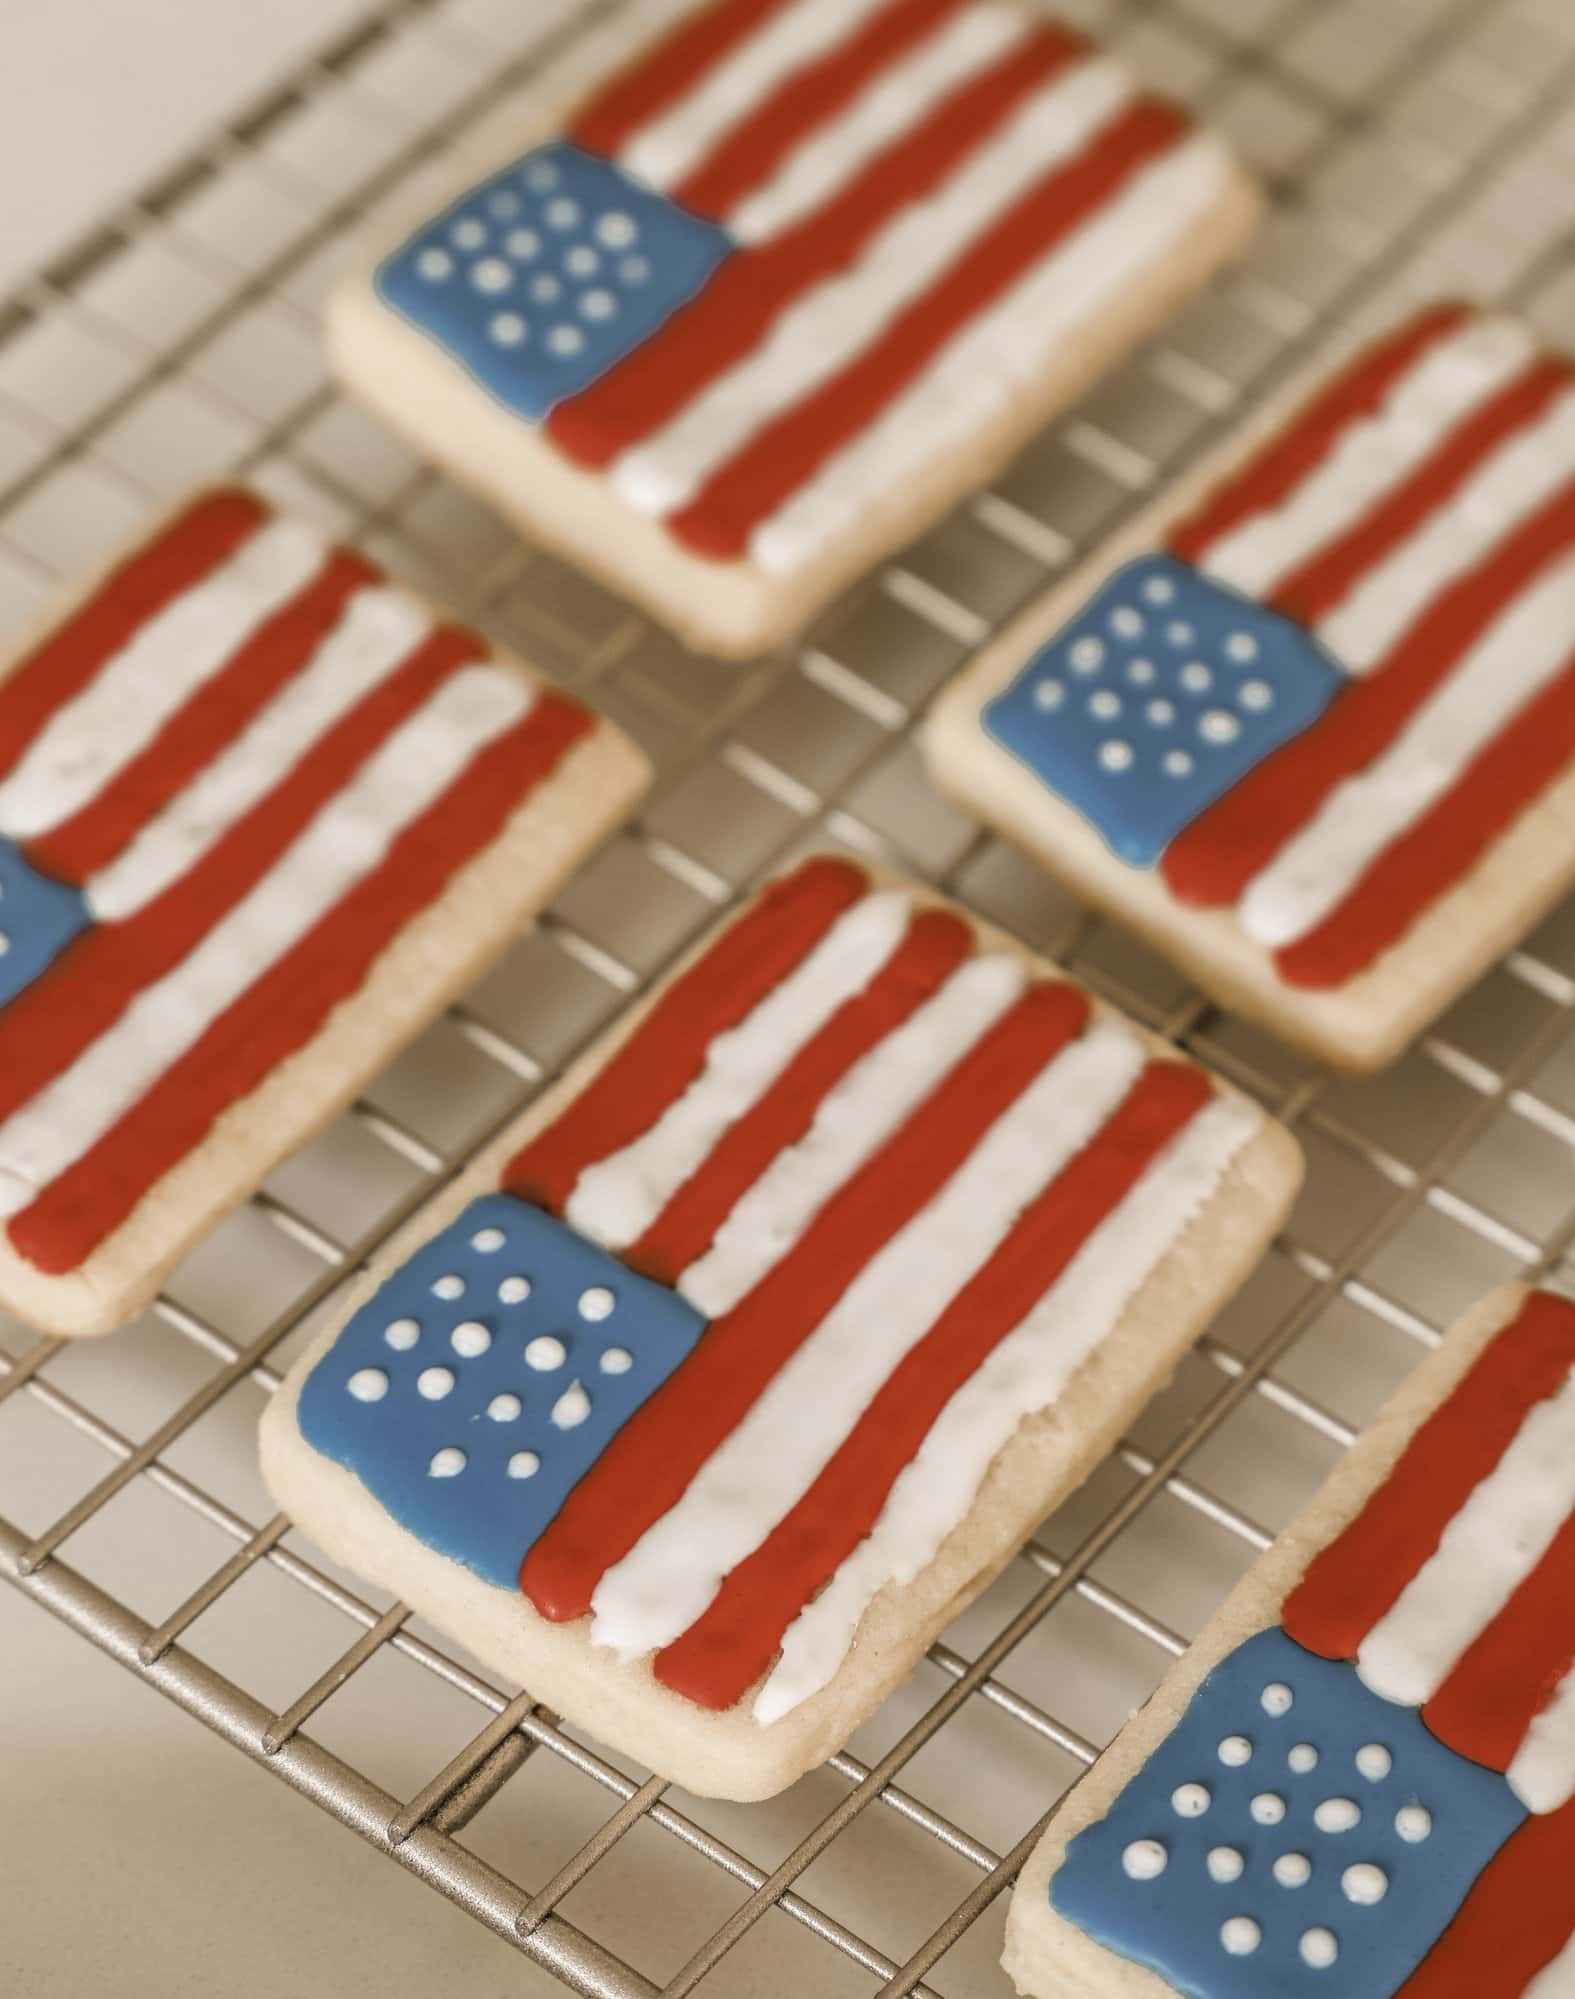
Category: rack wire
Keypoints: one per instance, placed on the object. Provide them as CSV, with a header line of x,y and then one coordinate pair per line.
x,y
1413,147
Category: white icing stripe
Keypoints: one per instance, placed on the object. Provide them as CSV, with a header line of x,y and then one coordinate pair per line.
x,y
617,1199
807,1410
901,96
1542,1775
675,142
998,353
378,630
1485,1553
343,843
1521,476
1555,1980
92,737
1524,648
1450,380
835,320
1027,1372
854,1121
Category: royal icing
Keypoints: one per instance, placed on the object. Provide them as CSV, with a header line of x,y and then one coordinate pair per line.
x,y
901,1192
227,780
1402,557
812,247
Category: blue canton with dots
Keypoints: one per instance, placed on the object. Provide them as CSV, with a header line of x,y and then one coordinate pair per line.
x,y
1158,698
38,919
1295,1836
546,276
488,1375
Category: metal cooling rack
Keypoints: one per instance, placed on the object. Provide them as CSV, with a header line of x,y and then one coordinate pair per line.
x,y
1414,147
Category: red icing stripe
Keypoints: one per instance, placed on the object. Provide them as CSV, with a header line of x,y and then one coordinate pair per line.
x,y
651,1461
207,723
1356,392
50,1023
1515,1921
752,151
204,536
1327,577
667,1051
660,76
737,310
1357,1579
933,948
726,1650
750,486
1509,1675
284,1008
1214,859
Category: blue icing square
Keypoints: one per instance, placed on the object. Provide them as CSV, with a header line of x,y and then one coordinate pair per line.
x,y
549,274
1160,695
488,1375
38,918
1343,1913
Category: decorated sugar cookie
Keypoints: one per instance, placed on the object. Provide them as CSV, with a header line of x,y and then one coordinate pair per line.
x,y
1361,1779
752,1353
261,814
1310,725
765,299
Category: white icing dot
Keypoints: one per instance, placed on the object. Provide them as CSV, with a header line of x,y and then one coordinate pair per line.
x,y
1105,705
504,204
434,265
563,213
541,175
1241,646
1177,764
1374,1762
1219,727
1225,1864
616,229
524,1464
1159,590
596,1303
509,329
1337,1815
1235,1750
1087,656
1268,1808
401,1334
492,274
368,1384
634,270
582,261
1319,1948
1127,623
1049,694
1302,1758
1140,672
1161,713
434,1383
1276,1698
469,235
1180,633
470,1339
1196,678
1256,695
514,1290
617,1360
487,1240
1145,1860
1190,1801
504,1408
1413,1823
522,243
545,1353
546,288
1116,755
1364,1884
1240,1935
571,1408
447,1463
1293,1870
599,304
449,1287
565,340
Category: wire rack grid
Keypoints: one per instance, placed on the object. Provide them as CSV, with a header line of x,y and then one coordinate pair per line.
x,y
1413,147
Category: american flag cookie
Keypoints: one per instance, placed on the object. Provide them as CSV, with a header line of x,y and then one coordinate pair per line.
x,y
1309,725
1360,1781
759,302
752,1354
262,813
